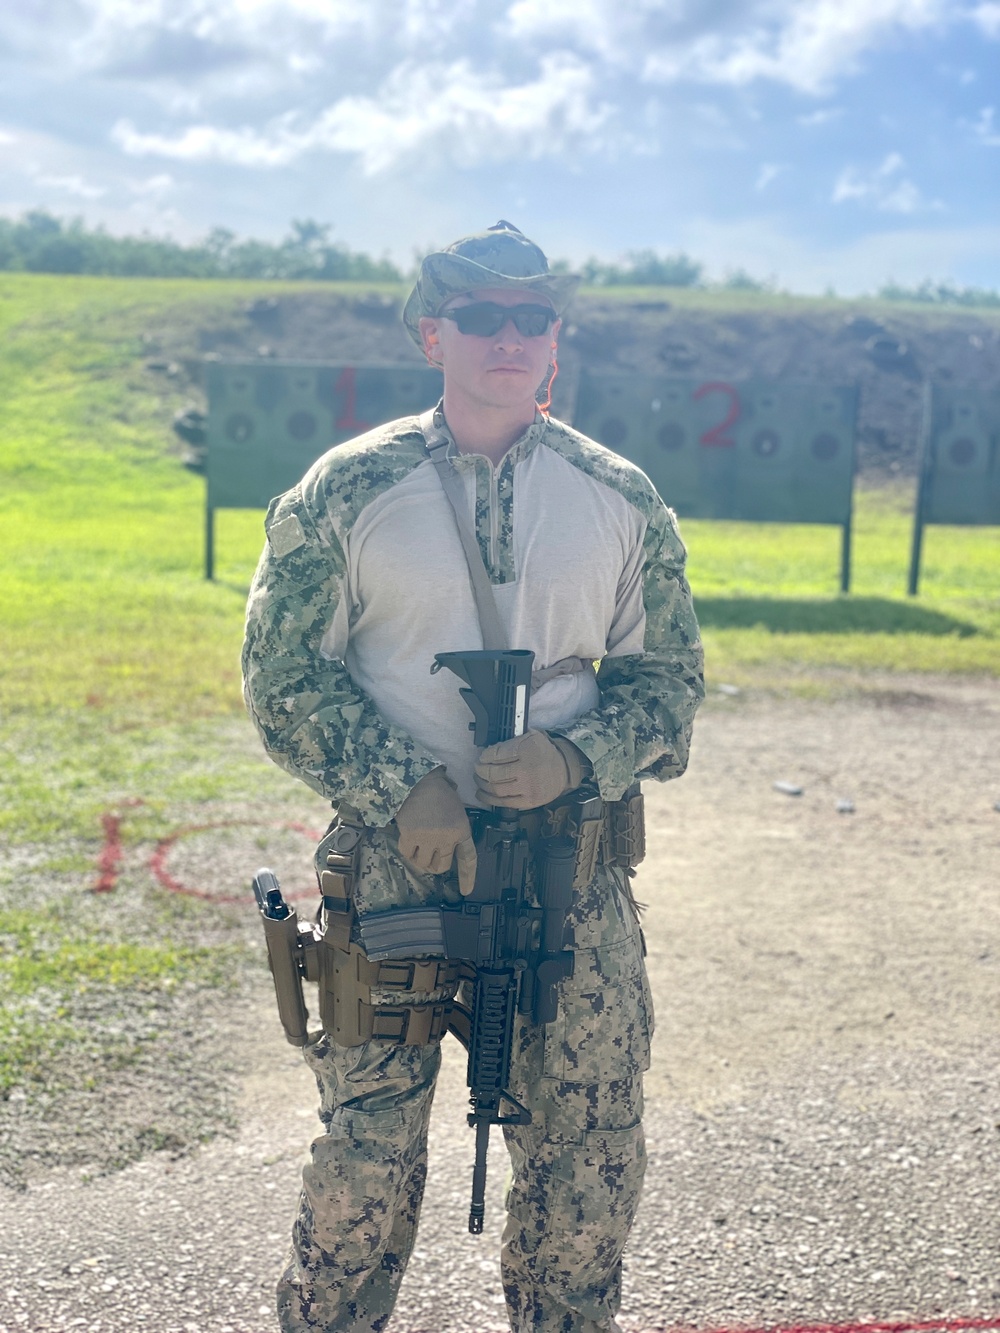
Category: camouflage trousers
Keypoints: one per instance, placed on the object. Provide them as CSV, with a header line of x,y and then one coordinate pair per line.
x,y
577,1168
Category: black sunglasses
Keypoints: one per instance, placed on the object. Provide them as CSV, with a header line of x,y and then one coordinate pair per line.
x,y
483,319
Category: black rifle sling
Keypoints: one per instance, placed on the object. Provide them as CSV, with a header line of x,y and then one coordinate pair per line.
x,y
438,444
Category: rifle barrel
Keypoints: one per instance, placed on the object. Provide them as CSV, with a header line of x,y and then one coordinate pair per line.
x,y
477,1209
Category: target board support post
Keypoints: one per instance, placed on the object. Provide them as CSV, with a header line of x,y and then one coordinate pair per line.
x,y
209,541
916,546
959,479
845,553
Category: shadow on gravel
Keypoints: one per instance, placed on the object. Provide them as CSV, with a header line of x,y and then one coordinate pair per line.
x,y
836,615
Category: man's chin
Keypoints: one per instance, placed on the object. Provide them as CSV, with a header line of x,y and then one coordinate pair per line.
x,y
508,388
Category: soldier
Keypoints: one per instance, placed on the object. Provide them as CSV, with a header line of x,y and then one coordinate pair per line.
x,y
362,580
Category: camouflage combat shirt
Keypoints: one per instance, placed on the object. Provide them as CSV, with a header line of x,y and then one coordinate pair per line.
x,y
363,579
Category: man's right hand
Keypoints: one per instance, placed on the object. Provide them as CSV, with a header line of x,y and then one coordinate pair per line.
x,y
434,830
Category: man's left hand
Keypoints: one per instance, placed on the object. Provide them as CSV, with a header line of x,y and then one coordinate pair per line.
x,y
529,771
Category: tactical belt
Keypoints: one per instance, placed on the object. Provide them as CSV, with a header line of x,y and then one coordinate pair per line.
x,y
353,976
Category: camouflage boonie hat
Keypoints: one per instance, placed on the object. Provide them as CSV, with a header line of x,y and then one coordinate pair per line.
x,y
501,256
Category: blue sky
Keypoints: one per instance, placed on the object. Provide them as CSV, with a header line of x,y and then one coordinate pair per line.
x,y
822,142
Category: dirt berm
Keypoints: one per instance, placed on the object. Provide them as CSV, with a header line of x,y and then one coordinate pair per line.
x,y
888,353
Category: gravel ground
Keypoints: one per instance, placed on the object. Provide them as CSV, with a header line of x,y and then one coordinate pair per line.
x,y
824,1124
159,1083
863,1192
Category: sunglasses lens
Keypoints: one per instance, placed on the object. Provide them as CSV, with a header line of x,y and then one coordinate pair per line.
x,y
485,319
532,320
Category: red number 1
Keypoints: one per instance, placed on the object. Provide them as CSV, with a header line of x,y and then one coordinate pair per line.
x,y
716,437
347,384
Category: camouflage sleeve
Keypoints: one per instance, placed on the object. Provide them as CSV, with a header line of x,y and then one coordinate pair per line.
x,y
642,728
312,718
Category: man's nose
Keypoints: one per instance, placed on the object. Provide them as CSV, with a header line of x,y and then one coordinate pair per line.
x,y
509,337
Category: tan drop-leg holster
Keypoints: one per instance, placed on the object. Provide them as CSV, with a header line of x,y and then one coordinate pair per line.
x,y
353,1005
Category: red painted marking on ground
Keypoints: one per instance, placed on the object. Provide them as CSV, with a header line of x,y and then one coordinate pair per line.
x,y
957,1325
111,855
110,858
158,860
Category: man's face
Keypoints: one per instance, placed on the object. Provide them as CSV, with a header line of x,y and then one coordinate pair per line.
x,y
501,370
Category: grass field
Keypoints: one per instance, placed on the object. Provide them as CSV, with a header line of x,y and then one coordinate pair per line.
x,y
119,672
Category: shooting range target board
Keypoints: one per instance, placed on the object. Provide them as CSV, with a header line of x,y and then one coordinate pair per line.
x,y
751,450
960,467
269,421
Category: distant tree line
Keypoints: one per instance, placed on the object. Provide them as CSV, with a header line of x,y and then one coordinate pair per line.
x,y
646,268
40,243
37,242
941,293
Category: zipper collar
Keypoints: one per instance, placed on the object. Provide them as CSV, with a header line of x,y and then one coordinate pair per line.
x,y
520,449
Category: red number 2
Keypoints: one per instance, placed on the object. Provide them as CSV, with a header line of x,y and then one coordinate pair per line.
x,y
716,437
347,384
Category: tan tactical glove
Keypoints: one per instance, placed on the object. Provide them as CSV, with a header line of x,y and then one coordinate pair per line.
x,y
434,829
529,771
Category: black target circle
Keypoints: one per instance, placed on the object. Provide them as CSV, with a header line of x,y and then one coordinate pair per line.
x,y
614,432
239,427
671,436
766,443
962,451
825,446
301,425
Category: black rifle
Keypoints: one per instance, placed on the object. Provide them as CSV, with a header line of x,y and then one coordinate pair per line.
x,y
493,929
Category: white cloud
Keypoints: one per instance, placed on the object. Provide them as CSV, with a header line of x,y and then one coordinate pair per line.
x,y
216,18
987,17
6,138
244,147
883,188
268,30
986,129
153,187
74,185
904,197
824,116
810,46
769,171
806,44
611,30
468,116
472,117
853,185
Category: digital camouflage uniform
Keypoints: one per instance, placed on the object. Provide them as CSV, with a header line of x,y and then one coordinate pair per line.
x,y
329,563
